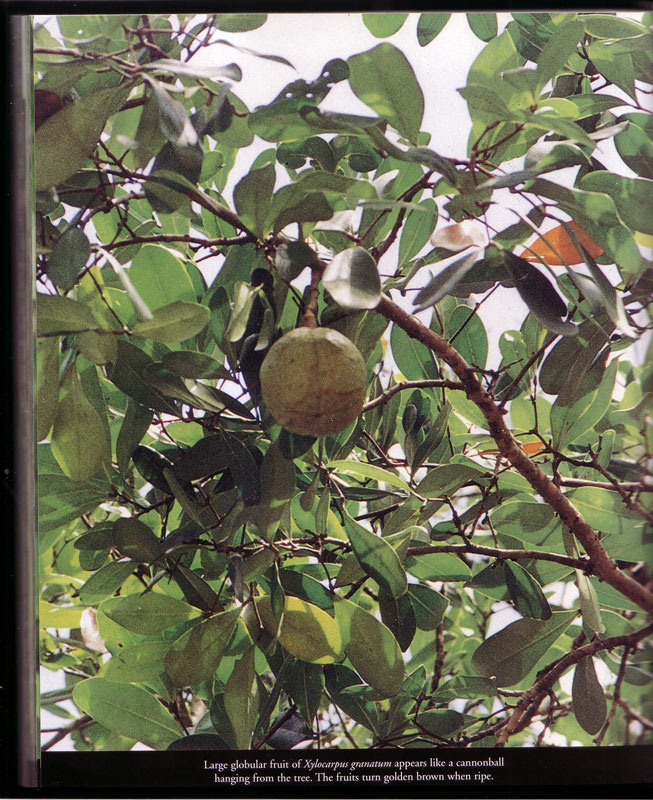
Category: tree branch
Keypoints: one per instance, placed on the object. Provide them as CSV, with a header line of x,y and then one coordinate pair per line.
x,y
543,684
511,555
399,387
600,562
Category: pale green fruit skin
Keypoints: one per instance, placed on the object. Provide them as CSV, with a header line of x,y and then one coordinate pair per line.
x,y
313,381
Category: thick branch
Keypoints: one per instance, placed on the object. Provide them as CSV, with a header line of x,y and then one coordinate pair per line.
x,y
543,684
600,562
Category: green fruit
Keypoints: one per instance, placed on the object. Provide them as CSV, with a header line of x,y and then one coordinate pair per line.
x,y
313,381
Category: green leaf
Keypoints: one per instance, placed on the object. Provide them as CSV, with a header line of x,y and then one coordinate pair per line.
x,y
345,689
68,257
352,279
526,593
603,510
383,25
239,23
413,358
305,684
79,438
442,722
444,282
174,323
196,654
483,24
159,277
377,558
634,144
60,315
252,197
150,613
558,49
429,25
128,710
63,143
606,26
304,586
106,581
445,480
384,80
136,540
371,471
241,699
537,291
371,648
307,632
614,64
398,615
632,197
471,340
277,475
230,72
438,567
291,258
174,122
47,385
587,697
140,662
429,606
510,654
570,422
417,229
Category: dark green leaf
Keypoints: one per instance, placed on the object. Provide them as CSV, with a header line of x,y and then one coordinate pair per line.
x,y
305,683
135,540
399,616
539,294
483,24
64,142
252,197
195,655
526,593
429,26
59,315
429,606
377,558
241,699
291,258
588,698
69,256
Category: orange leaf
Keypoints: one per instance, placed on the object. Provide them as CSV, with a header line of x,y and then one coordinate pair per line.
x,y
560,246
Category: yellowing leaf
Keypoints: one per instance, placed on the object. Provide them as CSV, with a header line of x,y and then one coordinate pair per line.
x,y
307,632
556,246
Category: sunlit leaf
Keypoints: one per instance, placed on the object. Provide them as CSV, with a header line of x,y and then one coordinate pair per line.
x,y
352,279
510,654
128,710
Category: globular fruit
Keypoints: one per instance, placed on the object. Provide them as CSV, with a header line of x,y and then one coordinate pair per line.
x,y
313,381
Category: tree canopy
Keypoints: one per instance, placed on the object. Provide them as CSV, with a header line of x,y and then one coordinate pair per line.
x,y
463,564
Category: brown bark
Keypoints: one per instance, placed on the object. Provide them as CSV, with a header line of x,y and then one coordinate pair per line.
x,y
600,563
